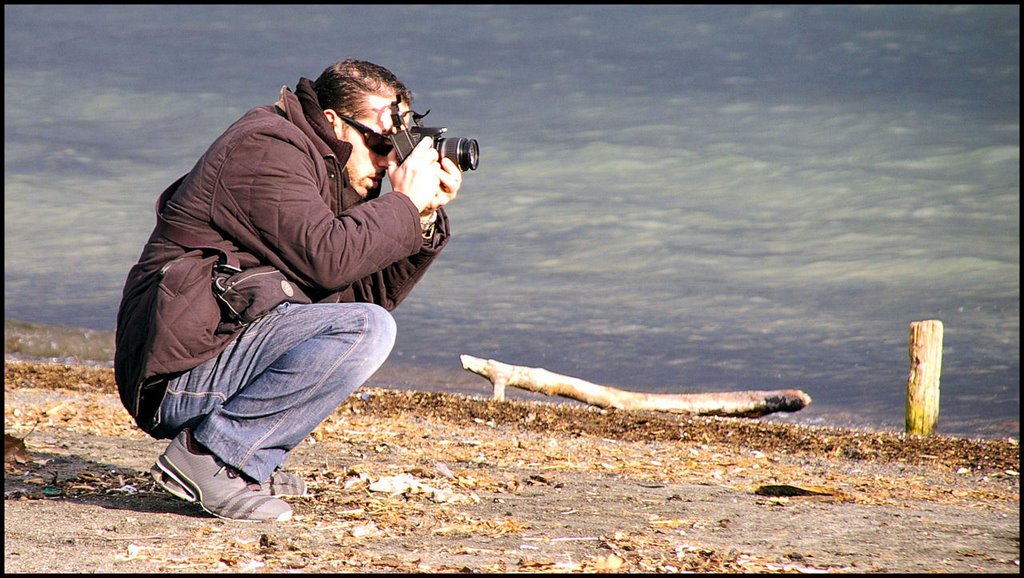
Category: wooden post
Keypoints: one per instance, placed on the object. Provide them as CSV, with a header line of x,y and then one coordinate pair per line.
x,y
923,381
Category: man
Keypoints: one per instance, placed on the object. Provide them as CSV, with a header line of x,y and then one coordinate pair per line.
x,y
295,186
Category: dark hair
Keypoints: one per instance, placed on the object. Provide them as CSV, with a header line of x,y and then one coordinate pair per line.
x,y
345,85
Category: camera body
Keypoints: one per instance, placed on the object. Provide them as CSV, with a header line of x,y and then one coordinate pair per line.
x,y
464,152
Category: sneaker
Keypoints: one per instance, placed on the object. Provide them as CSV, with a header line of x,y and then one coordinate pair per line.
x,y
220,489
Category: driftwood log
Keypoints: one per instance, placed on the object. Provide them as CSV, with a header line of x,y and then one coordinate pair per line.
x,y
538,380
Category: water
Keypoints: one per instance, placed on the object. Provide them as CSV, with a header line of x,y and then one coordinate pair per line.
x,y
669,199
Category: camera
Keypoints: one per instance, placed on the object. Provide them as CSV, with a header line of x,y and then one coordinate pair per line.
x,y
464,152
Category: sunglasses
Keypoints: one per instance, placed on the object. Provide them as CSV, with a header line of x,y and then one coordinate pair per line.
x,y
375,141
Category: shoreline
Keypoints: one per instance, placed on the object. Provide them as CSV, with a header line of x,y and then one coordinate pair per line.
x,y
41,343
410,378
576,418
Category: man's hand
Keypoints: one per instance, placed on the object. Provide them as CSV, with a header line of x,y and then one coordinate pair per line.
x,y
451,182
428,183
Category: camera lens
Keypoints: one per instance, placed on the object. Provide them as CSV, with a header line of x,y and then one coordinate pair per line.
x,y
464,152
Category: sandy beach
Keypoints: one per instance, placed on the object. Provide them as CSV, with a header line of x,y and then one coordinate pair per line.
x,y
406,481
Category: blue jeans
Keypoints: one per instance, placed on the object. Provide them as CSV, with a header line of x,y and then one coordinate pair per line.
x,y
277,381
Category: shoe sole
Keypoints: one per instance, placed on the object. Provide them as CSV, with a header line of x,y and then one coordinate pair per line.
x,y
166,480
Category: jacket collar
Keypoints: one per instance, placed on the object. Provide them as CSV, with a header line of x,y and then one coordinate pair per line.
x,y
303,108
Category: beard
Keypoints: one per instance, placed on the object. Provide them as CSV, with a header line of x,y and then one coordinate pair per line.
x,y
366,185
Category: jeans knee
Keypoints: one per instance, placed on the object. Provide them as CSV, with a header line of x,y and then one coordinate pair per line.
x,y
381,327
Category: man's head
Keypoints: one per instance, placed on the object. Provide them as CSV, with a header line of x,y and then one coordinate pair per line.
x,y
355,96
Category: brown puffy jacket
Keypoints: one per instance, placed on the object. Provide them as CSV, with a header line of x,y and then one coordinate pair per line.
x,y
275,192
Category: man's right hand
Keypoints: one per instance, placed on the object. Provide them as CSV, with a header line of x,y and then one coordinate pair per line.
x,y
419,176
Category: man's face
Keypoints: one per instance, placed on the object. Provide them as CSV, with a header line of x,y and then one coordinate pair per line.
x,y
366,168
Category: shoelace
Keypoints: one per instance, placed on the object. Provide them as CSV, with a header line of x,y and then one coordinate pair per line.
x,y
233,473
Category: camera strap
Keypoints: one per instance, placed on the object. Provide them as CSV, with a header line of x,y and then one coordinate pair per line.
x,y
396,116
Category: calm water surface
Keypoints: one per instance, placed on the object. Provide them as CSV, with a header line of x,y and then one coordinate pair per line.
x,y
669,198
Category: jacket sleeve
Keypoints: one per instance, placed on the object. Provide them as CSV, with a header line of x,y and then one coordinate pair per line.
x,y
268,199
389,287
